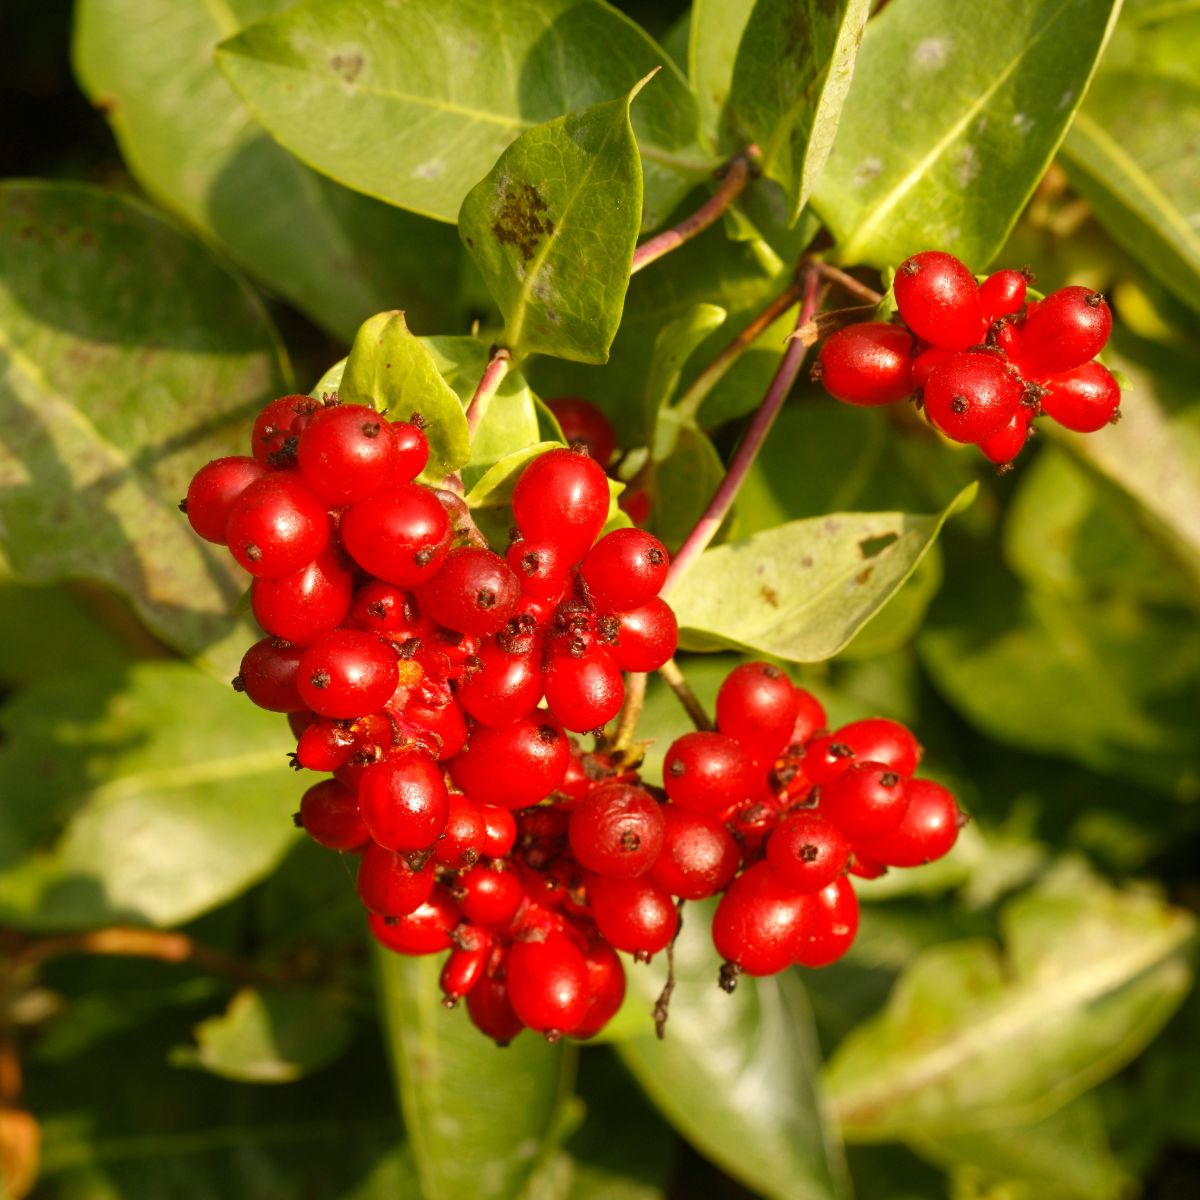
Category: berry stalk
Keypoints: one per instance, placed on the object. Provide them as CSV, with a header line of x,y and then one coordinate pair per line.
x,y
489,384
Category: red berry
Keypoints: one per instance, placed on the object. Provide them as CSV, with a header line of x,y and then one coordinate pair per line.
x,y
867,364
939,300
1068,329
435,713
757,707
277,427
401,536
388,885
862,866
404,801
562,497
759,922
708,773
831,924
807,852
636,505
302,606
1084,399
347,673
810,718
490,1011
584,693
465,965
646,637
424,930
490,894
606,988
632,914
927,362
500,830
581,421
1002,294
503,688
1004,446
330,815
825,758
516,766
465,835
276,526
541,567
865,801
624,570
617,831
268,675
548,983
346,453
972,396
325,745
412,450
213,492
473,593
698,856
876,739
927,831
380,607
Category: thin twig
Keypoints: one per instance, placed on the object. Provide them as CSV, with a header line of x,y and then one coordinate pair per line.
x,y
493,376
662,1006
631,711
835,275
673,677
823,324
738,173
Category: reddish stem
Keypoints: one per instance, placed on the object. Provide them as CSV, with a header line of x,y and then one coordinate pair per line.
x,y
489,383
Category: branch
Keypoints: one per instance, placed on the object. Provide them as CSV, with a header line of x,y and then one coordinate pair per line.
x,y
493,376
738,173
848,283
631,711
673,677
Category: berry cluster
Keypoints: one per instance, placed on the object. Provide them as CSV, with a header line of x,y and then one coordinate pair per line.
x,y
982,360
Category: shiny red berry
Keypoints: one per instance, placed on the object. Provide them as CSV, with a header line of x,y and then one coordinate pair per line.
x,y
213,492
277,427
810,718
347,673
503,687
401,536
465,836
938,299
698,856
807,852
1068,329
330,815
548,983
302,606
759,922
424,930
606,988
1084,399
581,421
632,914
832,922
880,740
490,894
412,450
1002,447
868,364
617,831
708,773
584,693
490,1011
624,570
388,885
474,592
500,830
516,766
1002,293
971,396
404,801
646,637
926,832
268,675
757,707
346,453
276,526
562,497
866,801
541,567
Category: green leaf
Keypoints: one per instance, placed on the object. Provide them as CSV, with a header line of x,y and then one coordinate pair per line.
x,y
479,1117
128,358
676,342
268,1036
736,1075
953,116
392,370
971,1040
714,36
415,104
146,796
790,80
195,148
552,228
684,483
801,591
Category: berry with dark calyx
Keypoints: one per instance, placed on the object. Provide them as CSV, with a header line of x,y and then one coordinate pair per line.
x,y
547,983
490,895
1002,293
425,929
490,1011
880,740
434,711
708,773
926,832
698,856
330,815
832,922
584,693
302,606
867,364
562,497
503,688
971,396
1084,399
624,570
646,637
760,922
278,426
632,914
807,852
346,453
581,421
825,758
388,885
401,536
380,607
1002,447
347,673
214,490
464,836
866,801
1067,329
325,745
268,675
499,830
404,801
757,707
412,450
617,831
465,965
276,526
540,566
516,766
606,987
938,299
474,592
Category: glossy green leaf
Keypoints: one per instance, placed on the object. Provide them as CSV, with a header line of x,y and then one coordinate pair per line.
x,y
191,143
130,358
392,370
971,1039
479,1118
790,80
736,1075
552,228
714,34
674,345
414,104
952,119
146,796
801,591
271,1035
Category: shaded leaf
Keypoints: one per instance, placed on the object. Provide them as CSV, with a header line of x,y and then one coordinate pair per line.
x,y
684,483
790,80
970,1040
415,104
672,348
552,228
714,34
802,590
147,796
952,119
107,409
